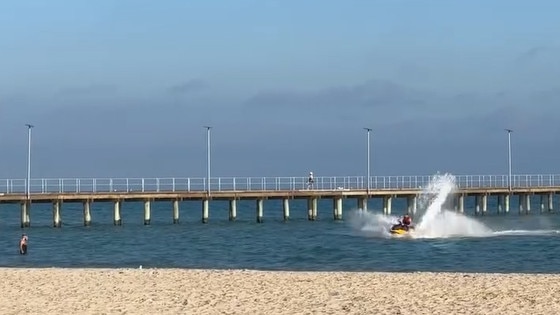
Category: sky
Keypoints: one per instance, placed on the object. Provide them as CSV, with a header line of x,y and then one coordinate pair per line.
x,y
124,88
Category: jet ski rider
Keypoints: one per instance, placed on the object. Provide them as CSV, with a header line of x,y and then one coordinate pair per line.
x,y
406,221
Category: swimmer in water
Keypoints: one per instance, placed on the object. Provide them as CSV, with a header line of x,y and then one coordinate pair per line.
x,y
23,244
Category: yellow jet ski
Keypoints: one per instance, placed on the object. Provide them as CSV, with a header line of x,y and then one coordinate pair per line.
x,y
400,230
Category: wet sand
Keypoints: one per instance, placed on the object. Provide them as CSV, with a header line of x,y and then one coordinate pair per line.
x,y
181,291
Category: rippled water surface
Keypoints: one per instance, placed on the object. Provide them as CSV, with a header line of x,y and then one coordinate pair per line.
x,y
493,243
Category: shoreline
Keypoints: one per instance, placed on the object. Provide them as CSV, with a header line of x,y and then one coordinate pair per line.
x,y
244,291
248,270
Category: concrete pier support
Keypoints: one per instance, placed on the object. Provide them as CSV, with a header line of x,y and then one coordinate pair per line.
x,y
147,212
57,221
450,202
551,202
205,203
337,208
312,209
87,213
500,204
117,213
456,202
544,202
25,209
484,204
232,209
476,205
524,203
260,210
387,202
461,203
362,203
286,208
176,211
506,203
411,204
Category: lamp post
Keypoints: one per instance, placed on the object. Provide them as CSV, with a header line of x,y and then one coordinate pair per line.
x,y
368,160
28,186
509,131
208,157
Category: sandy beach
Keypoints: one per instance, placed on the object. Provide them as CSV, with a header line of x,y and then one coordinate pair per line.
x,y
179,291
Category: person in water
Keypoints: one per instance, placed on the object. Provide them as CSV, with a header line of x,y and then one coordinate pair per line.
x,y
23,244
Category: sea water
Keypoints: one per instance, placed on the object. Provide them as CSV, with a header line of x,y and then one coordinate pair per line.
x,y
442,241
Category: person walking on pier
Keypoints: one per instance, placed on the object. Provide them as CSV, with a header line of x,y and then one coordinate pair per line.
x,y
23,244
310,181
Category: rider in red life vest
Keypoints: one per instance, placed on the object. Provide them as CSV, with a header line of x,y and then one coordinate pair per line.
x,y
406,221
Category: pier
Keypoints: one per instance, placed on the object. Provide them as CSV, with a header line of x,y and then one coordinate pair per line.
x,y
119,191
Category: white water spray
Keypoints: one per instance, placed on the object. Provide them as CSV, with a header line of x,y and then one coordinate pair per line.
x,y
437,221
371,224
432,219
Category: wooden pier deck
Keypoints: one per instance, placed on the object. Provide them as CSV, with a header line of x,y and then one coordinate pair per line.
x,y
253,195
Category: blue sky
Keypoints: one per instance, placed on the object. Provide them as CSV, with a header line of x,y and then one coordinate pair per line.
x,y
123,88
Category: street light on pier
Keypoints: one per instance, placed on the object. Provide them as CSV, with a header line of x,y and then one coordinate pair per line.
x,y
368,130
208,157
27,188
509,131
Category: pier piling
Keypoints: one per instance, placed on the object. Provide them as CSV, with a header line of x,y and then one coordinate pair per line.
x,y
412,204
363,203
286,208
312,209
387,202
456,202
500,204
205,210
524,203
315,208
175,211
87,213
147,212
260,210
25,209
476,205
232,209
461,203
551,202
337,208
56,214
117,213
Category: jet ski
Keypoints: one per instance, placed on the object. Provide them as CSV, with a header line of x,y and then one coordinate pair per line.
x,y
400,229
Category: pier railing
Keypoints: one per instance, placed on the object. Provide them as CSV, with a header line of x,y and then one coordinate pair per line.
x,y
99,185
